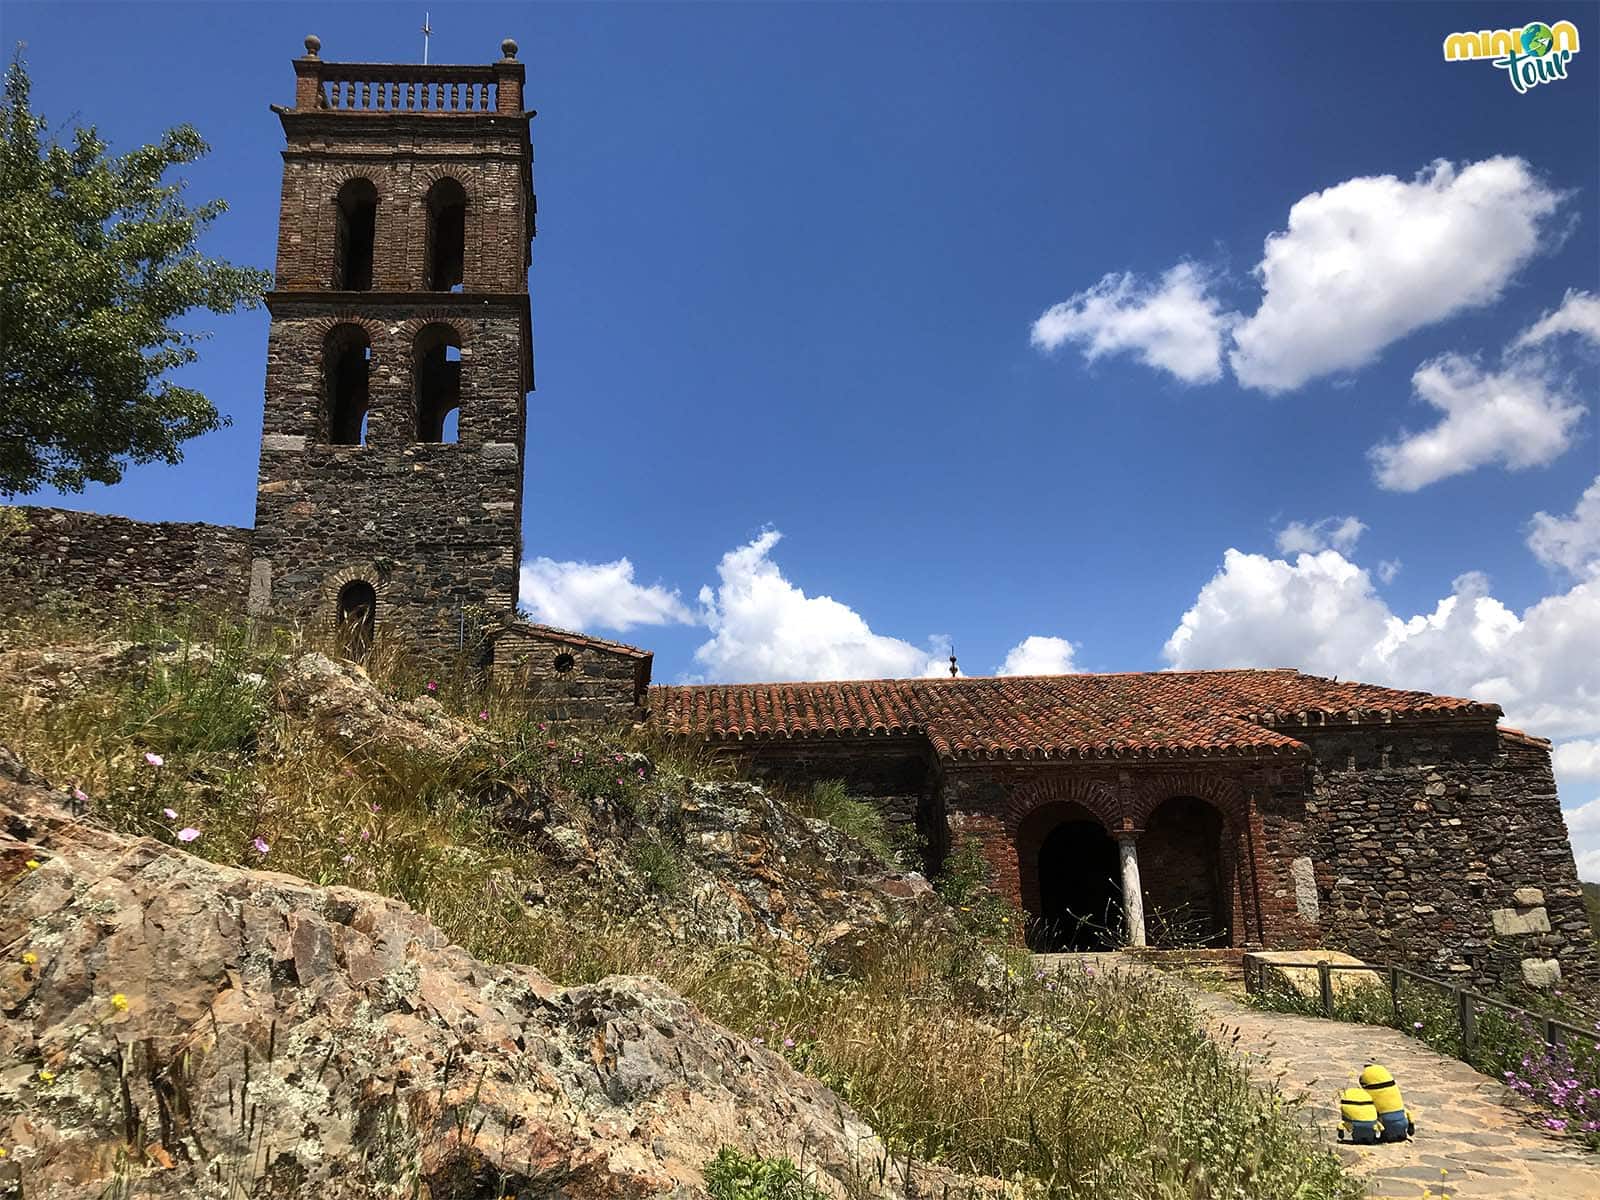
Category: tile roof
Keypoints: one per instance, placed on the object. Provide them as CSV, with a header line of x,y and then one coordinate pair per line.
x,y
581,640
1147,714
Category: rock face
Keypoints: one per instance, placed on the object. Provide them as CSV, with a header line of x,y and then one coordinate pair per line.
x,y
176,1027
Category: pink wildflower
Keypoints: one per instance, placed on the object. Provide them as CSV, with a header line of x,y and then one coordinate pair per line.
x,y
260,845
155,760
348,858
484,715
170,814
366,835
788,1043
78,794
188,833
432,686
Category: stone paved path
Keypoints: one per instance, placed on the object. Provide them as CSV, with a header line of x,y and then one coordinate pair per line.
x,y
1467,1124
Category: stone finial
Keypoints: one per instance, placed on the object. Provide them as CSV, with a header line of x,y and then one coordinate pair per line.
x,y
313,44
508,48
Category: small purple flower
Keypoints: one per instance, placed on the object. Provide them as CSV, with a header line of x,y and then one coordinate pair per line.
x,y
261,846
1416,1024
366,835
432,686
755,1041
155,760
484,715
78,794
788,1043
170,814
188,833
348,858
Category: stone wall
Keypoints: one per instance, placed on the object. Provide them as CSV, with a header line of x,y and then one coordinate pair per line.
x,y
91,559
895,773
1445,849
570,677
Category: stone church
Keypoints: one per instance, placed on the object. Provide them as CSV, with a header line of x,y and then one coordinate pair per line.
x,y
1221,809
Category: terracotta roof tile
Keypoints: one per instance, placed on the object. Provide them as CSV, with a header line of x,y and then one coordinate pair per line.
x,y
1148,714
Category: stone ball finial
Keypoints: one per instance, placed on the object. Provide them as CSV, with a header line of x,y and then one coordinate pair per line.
x,y
509,47
313,44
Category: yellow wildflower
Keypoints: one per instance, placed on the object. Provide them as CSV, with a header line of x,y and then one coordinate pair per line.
x,y
47,1076
4,1152
119,1002
29,958
33,864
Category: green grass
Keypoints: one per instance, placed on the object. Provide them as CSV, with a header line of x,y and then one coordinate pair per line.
x,y
939,1035
735,1176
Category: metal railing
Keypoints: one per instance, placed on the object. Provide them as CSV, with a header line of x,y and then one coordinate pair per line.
x,y
1464,1002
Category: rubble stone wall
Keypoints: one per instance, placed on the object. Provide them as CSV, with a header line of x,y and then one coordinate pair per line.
x,y
91,559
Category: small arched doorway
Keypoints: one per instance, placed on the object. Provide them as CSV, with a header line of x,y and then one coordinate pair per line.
x,y
1070,879
357,618
1186,885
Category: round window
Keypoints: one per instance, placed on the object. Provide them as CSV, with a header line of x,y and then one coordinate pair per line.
x,y
564,663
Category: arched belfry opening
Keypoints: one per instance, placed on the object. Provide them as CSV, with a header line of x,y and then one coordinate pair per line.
x,y
354,241
357,618
1070,879
436,371
347,368
447,236
1187,892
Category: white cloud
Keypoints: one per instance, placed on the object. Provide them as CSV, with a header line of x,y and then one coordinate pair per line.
x,y
1370,260
1321,613
1175,325
1578,760
1579,313
1388,568
579,595
765,628
1518,416
1570,543
1340,533
1036,655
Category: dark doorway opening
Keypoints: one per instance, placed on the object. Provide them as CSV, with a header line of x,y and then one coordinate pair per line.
x,y
358,611
447,236
1080,898
1186,898
347,365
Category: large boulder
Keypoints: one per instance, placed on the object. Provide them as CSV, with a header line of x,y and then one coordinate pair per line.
x,y
175,1027
1295,972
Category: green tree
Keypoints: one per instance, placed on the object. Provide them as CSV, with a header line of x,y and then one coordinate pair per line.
x,y
97,263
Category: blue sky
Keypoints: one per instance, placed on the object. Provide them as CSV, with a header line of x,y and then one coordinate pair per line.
x,y
973,304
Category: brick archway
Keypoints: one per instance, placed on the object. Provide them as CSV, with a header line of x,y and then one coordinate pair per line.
x,y
1172,860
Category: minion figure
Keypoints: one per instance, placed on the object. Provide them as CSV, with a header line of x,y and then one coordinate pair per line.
x,y
1385,1092
1358,1117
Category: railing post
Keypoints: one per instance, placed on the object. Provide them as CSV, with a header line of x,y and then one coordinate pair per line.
x,y
1394,992
1325,980
508,77
1466,1021
308,76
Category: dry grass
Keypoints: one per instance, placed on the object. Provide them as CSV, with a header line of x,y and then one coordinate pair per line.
x,y
1073,1086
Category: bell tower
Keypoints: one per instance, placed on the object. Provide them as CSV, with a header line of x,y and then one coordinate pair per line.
x,y
400,354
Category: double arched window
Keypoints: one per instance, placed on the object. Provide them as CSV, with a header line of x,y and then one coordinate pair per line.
x,y
355,237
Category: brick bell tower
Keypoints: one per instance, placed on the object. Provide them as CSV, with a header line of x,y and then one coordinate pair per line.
x,y
389,500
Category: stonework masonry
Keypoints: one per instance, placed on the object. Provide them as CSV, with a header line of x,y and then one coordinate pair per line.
x,y
90,559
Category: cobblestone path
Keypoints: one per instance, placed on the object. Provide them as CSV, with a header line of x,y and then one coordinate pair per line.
x,y
1473,1141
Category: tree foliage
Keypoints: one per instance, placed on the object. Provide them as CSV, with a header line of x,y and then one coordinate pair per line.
x,y
98,261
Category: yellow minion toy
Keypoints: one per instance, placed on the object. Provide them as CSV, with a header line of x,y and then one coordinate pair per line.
x,y
1358,1117
1392,1115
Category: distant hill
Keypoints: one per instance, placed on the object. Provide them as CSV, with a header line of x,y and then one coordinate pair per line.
x,y
1591,901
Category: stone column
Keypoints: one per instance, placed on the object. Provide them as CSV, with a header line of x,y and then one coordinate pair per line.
x,y
1132,893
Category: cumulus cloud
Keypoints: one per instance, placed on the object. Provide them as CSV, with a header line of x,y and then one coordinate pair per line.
x,y
1339,533
1579,313
582,595
1175,324
1571,544
1578,760
1370,260
1038,655
1517,416
1321,613
763,627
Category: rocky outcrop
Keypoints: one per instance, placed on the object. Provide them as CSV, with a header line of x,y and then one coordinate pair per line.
x,y
170,1026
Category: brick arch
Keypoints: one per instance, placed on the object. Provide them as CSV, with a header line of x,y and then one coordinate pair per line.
x,y
1097,796
377,174
351,572
1222,793
422,181
407,331
1238,886
376,331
